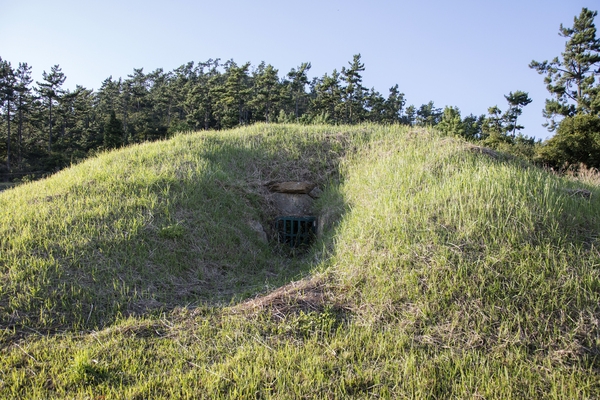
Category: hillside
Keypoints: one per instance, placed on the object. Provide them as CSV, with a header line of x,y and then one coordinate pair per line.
x,y
443,271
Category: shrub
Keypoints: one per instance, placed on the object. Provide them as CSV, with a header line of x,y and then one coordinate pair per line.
x,y
577,140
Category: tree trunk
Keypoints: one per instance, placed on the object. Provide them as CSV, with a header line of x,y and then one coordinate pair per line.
x,y
50,126
20,134
125,110
267,111
169,114
8,136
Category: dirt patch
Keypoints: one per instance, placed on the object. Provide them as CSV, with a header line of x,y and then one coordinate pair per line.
x,y
309,294
485,151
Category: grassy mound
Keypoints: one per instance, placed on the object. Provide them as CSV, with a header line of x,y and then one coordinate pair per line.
x,y
445,271
151,227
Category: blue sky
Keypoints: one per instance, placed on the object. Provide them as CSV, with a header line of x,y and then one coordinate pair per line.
x,y
462,53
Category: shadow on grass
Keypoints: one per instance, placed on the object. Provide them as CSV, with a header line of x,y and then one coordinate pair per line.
x,y
185,237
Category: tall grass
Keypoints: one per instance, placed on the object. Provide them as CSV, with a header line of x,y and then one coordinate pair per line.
x,y
441,273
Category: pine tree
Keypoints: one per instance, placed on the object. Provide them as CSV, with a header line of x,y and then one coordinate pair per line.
x,y
493,124
267,91
162,99
298,83
473,127
428,115
516,102
410,116
23,102
234,95
354,92
65,119
203,90
376,106
107,96
327,103
571,80
577,140
113,132
51,90
113,96
75,113
7,97
393,105
85,129
139,119
451,123
181,81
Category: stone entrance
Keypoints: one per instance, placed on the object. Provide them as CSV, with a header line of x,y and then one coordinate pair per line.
x,y
295,223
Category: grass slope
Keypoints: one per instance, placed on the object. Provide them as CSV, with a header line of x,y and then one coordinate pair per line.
x,y
148,227
443,273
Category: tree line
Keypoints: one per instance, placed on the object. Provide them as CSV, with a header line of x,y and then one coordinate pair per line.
x,y
45,127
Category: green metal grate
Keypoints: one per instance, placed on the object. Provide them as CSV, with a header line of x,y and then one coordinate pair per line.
x,y
296,231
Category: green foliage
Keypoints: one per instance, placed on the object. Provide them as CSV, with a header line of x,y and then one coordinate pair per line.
x,y
328,97
113,132
500,130
234,96
571,80
428,115
381,110
86,371
516,102
354,93
410,115
493,125
451,123
297,86
307,325
208,95
284,117
577,140
175,231
393,105
523,147
319,119
51,89
473,127
267,91
8,86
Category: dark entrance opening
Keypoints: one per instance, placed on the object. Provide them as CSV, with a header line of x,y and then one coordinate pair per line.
x,y
296,231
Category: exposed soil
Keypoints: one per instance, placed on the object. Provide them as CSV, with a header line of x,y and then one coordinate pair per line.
x,y
309,294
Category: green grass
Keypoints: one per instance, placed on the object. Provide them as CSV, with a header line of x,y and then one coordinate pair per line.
x,y
441,273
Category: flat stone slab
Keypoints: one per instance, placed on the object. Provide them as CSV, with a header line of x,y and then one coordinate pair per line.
x,y
292,204
291,187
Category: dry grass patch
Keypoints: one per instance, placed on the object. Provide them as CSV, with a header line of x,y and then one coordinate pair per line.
x,y
485,151
312,294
